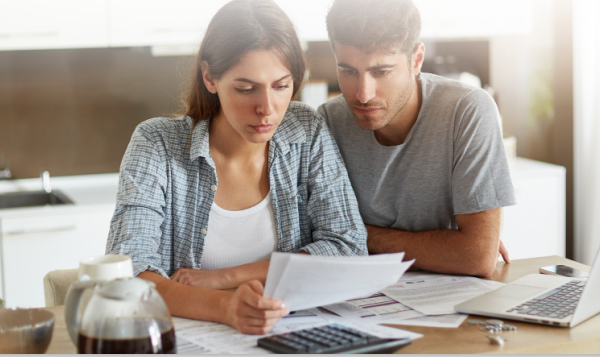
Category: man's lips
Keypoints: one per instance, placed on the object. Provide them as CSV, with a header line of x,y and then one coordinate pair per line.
x,y
367,111
262,128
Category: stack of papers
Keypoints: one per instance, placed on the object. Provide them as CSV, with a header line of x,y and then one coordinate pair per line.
x,y
304,281
416,299
362,292
202,337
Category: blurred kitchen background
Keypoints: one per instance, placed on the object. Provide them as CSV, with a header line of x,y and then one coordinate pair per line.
x,y
76,77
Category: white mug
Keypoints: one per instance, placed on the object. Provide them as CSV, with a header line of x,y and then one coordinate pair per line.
x,y
92,271
105,267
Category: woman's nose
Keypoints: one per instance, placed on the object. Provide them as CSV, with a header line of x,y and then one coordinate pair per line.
x,y
265,105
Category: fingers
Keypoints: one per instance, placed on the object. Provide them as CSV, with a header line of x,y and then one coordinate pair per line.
x,y
182,275
176,277
256,314
256,286
504,252
251,294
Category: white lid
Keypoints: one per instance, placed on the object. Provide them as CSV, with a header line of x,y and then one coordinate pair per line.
x,y
124,289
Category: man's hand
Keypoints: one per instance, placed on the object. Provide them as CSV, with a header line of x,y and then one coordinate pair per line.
x,y
251,313
208,279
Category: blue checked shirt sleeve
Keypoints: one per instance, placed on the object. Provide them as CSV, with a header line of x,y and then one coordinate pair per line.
x,y
136,224
338,228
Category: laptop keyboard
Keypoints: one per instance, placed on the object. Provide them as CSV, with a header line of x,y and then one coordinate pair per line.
x,y
557,303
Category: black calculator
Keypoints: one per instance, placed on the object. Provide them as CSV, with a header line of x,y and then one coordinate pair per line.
x,y
332,338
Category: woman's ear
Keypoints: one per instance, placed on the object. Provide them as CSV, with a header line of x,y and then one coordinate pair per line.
x,y
209,82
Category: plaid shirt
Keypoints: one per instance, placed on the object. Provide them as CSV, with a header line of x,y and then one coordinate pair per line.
x,y
166,191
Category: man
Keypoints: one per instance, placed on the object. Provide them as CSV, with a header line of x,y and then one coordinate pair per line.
x,y
424,153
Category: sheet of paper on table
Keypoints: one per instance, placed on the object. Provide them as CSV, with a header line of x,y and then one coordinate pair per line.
x,y
202,337
381,309
437,294
306,281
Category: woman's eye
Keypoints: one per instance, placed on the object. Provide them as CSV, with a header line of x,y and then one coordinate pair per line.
x,y
282,87
244,90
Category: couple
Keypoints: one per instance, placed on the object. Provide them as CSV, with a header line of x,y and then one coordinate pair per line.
x,y
204,199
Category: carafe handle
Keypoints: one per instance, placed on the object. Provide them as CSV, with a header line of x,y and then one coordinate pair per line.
x,y
72,302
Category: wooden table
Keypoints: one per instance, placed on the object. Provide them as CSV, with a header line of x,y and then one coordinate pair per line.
x,y
529,338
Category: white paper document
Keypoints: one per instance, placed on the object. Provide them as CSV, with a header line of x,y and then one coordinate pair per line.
x,y
438,294
447,321
375,309
306,281
201,337
381,309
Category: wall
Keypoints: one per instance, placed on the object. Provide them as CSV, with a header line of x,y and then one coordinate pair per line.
x,y
533,76
73,111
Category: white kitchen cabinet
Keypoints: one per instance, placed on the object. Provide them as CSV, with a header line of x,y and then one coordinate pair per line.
x,y
27,256
474,18
160,23
34,24
535,226
184,22
42,24
37,240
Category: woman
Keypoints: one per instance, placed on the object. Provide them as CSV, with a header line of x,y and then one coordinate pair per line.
x,y
206,198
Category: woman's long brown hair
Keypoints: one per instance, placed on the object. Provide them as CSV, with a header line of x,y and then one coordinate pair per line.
x,y
238,27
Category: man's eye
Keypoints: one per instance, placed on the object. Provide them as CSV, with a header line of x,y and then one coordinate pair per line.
x,y
244,90
382,73
348,72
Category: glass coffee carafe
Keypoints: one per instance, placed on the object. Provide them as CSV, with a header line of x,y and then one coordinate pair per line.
x,y
123,316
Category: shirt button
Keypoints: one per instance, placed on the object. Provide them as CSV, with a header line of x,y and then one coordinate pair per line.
x,y
203,231
213,187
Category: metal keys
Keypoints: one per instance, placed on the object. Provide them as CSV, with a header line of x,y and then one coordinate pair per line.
x,y
496,340
493,326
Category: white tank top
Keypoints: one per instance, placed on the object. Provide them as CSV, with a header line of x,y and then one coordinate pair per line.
x,y
239,237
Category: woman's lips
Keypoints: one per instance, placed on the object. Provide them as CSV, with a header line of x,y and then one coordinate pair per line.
x,y
262,128
367,111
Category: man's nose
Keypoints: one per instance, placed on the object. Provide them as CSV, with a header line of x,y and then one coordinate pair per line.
x,y
366,89
265,104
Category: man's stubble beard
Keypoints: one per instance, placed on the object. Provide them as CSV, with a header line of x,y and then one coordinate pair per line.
x,y
392,111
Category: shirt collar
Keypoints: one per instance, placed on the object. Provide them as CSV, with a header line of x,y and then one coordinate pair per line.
x,y
199,145
290,131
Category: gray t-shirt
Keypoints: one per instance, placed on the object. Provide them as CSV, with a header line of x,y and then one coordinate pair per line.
x,y
452,162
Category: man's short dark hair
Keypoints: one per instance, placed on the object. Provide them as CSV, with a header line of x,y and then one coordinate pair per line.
x,y
370,25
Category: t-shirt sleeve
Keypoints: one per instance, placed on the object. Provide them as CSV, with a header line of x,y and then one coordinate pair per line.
x,y
480,175
323,111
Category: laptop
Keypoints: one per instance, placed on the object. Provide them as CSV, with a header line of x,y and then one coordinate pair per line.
x,y
543,299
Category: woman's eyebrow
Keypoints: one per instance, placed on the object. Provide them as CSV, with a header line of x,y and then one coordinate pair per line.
x,y
255,83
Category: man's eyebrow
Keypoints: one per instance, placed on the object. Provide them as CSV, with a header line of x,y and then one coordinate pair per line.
x,y
345,65
254,83
372,68
380,67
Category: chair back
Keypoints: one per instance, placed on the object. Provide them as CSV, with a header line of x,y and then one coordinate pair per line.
x,y
56,285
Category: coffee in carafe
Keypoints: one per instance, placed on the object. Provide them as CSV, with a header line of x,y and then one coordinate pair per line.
x,y
123,316
143,336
